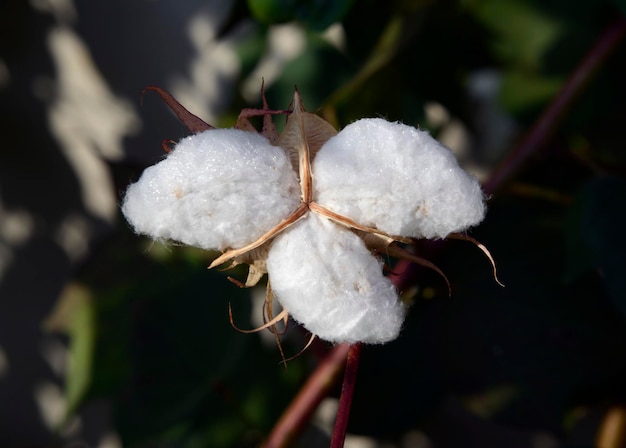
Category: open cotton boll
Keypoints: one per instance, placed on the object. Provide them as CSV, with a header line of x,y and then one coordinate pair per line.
x,y
329,282
218,189
396,178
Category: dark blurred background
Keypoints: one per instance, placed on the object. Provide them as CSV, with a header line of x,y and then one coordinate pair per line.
x,y
110,340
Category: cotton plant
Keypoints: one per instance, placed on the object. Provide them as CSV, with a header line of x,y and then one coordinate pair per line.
x,y
313,208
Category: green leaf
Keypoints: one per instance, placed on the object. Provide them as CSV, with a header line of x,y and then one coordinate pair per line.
x,y
310,73
320,14
521,91
315,14
272,11
523,32
75,315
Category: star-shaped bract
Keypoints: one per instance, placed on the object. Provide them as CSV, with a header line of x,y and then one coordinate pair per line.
x,y
306,207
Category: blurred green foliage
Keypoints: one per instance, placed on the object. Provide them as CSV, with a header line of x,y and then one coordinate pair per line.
x,y
153,334
314,14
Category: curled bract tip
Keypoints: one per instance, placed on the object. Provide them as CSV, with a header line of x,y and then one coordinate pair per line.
x,y
191,121
483,249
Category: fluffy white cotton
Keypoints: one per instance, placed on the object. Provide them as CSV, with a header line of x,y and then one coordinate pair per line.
x,y
329,282
396,178
218,189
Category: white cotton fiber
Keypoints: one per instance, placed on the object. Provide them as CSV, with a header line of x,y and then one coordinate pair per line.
x,y
396,178
329,282
219,189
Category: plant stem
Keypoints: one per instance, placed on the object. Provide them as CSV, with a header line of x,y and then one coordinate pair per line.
x,y
551,116
298,413
347,392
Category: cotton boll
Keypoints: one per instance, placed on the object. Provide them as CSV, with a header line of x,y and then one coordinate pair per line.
x,y
396,178
329,282
218,189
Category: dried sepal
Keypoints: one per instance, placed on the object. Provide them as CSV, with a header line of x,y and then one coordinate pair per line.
x,y
483,249
303,136
256,271
244,124
269,129
282,316
194,123
351,224
266,237
166,145
400,253
302,350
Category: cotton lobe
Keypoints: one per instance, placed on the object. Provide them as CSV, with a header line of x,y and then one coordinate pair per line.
x,y
309,213
398,179
218,189
338,291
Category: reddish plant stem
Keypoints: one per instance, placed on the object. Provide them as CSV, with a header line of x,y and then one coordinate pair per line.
x,y
347,392
299,412
551,116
